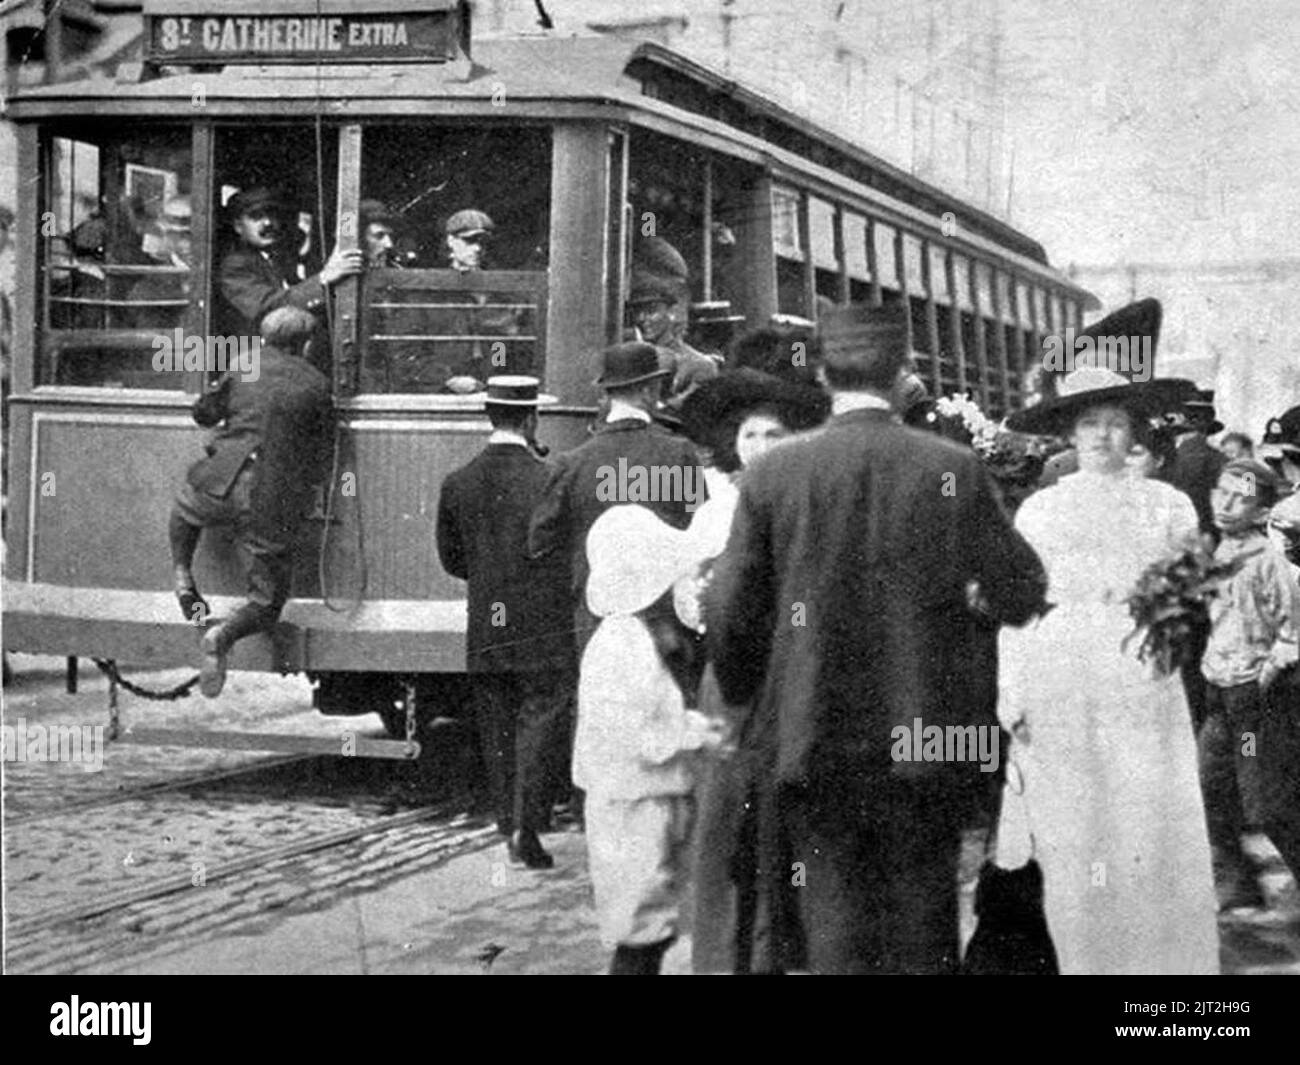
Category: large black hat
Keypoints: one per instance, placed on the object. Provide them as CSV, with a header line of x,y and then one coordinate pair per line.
x,y
718,401
659,273
630,364
1069,389
860,335
1283,432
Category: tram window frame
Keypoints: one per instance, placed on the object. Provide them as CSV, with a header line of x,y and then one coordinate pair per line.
x,y
492,312
113,352
854,236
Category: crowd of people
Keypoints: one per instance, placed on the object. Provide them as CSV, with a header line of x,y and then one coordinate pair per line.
x,y
755,571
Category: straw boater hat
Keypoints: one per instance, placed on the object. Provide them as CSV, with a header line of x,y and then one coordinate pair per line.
x,y
515,390
634,557
1067,394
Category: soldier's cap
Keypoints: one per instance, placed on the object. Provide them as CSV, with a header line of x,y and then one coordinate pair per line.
x,y
376,212
469,223
515,390
258,198
629,364
287,326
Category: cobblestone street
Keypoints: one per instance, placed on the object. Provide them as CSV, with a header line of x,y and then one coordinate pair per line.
x,y
421,892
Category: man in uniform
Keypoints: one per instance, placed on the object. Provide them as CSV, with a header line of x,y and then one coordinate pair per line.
x,y
270,448
627,451
659,301
256,278
519,640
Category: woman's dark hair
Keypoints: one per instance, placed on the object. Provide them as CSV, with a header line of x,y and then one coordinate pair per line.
x,y
725,456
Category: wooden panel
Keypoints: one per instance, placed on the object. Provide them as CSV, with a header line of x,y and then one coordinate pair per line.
x,y
579,268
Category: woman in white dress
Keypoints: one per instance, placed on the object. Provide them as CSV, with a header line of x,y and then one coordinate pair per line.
x,y
1104,743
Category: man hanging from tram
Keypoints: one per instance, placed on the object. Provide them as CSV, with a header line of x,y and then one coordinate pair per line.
x,y
270,447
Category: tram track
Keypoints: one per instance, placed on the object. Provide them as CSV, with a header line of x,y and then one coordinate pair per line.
x,y
306,872
154,788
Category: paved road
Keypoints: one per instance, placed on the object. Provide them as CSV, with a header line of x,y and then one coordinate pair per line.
x,y
428,897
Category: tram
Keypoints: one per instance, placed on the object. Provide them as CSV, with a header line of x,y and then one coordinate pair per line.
x,y
576,147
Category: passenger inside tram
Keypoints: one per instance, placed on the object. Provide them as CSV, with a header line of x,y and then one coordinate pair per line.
x,y
468,299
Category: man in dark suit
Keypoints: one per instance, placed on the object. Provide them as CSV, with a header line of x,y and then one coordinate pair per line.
x,y
519,638
256,278
270,448
839,613
629,459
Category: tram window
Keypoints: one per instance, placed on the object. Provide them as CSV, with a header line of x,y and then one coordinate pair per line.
x,y
886,262
115,254
961,279
790,293
785,223
821,234
912,255
668,182
460,295
855,247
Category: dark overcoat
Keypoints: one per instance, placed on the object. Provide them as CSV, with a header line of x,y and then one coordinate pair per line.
x,y
589,479
252,285
1195,470
840,610
519,617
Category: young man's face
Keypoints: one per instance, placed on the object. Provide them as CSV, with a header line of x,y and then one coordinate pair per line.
x,y
378,241
258,229
466,251
1236,503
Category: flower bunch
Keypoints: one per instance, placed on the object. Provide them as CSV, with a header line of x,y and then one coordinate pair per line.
x,y
1169,604
1014,459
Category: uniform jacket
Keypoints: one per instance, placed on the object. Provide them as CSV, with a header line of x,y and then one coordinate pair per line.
x,y
252,286
282,421
1195,470
483,515
840,604
577,493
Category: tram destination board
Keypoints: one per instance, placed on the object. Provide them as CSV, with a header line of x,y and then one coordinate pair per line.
x,y
220,32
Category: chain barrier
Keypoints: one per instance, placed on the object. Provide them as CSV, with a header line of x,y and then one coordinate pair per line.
x,y
108,667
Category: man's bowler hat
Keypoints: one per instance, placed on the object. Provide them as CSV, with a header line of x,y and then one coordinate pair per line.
x,y
630,364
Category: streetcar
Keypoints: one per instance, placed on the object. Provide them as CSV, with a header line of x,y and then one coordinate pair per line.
x,y
576,147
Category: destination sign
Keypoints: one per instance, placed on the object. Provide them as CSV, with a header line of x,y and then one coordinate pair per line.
x,y
194,40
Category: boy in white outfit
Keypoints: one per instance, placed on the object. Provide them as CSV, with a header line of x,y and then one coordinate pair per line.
x,y
636,741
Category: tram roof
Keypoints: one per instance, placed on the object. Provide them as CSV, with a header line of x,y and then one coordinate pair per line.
x,y
547,75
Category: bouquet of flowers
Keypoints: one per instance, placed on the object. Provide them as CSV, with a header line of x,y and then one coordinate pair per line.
x,y
1014,459
1170,603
